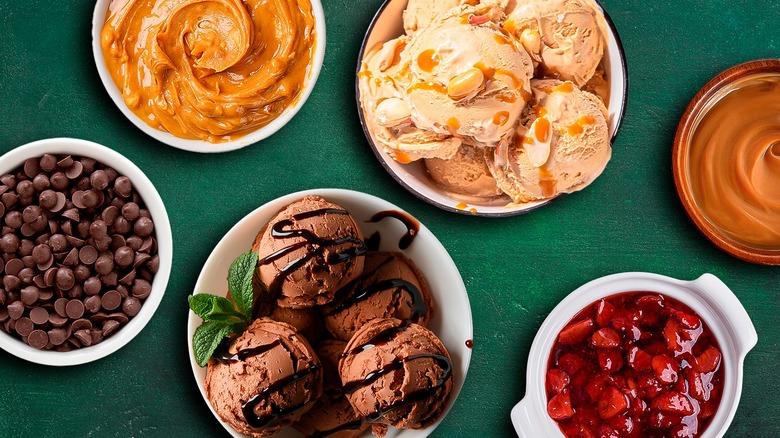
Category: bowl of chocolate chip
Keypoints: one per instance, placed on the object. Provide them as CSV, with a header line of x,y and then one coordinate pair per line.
x,y
85,251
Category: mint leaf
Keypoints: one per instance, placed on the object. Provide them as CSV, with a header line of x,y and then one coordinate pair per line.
x,y
206,339
240,282
212,307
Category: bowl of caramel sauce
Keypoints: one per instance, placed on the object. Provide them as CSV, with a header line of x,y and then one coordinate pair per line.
x,y
726,161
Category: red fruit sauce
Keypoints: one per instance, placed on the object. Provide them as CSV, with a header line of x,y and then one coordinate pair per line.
x,y
638,364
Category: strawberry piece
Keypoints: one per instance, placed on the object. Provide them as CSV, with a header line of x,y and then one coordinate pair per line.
x,y
571,363
665,368
576,332
671,333
709,360
605,431
579,431
612,402
663,420
559,407
604,312
673,402
650,303
699,384
687,320
623,424
595,386
605,338
638,359
557,380
649,385
610,360
708,409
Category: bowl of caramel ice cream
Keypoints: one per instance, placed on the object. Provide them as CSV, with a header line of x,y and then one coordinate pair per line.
x,y
490,107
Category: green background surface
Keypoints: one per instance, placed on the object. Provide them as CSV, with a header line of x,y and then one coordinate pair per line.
x,y
516,270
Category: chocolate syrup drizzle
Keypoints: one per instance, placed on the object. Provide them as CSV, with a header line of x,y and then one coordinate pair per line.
x,y
412,228
419,308
318,246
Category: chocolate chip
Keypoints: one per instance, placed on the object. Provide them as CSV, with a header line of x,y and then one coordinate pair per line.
x,y
117,241
9,243
109,327
26,275
14,219
97,336
65,162
72,259
82,273
39,315
81,324
143,226
48,162
11,282
141,289
45,295
61,202
99,179
153,264
92,286
104,264
13,266
56,320
128,278
38,339
30,295
98,229
3,314
98,318
92,303
65,278
39,281
25,189
74,309
124,256
24,326
58,335
59,181
15,310
72,214
31,213
111,300
93,199
77,291
140,259
131,306
58,242
75,170
41,253
88,254
122,225
84,337
50,277
74,241
110,214
123,187
131,211
41,183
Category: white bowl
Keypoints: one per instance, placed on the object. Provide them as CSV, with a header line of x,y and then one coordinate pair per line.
x,y
451,322
99,18
388,24
162,226
712,300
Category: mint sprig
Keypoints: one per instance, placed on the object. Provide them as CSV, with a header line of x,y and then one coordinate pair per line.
x,y
222,317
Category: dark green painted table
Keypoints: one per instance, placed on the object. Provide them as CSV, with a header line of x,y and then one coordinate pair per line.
x,y
516,270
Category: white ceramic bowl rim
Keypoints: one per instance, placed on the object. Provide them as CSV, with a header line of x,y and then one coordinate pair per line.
x,y
709,297
452,321
410,184
162,226
99,18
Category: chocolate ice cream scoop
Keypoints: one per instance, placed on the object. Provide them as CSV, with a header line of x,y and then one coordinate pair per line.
x,y
332,416
267,379
307,322
308,251
391,286
396,373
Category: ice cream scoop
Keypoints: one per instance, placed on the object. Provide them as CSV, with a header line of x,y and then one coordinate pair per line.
x,y
308,251
562,145
266,380
466,173
467,80
383,81
332,416
565,37
306,321
396,373
391,286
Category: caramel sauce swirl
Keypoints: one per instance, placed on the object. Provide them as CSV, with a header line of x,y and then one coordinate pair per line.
x,y
213,70
734,163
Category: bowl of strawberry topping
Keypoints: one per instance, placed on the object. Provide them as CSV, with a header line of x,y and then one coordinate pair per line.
x,y
638,355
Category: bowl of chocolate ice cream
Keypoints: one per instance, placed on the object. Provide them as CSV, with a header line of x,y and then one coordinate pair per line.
x,y
85,252
342,278
492,108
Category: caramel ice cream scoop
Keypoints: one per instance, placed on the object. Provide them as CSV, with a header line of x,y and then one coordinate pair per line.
x,y
562,145
466,173
567,38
